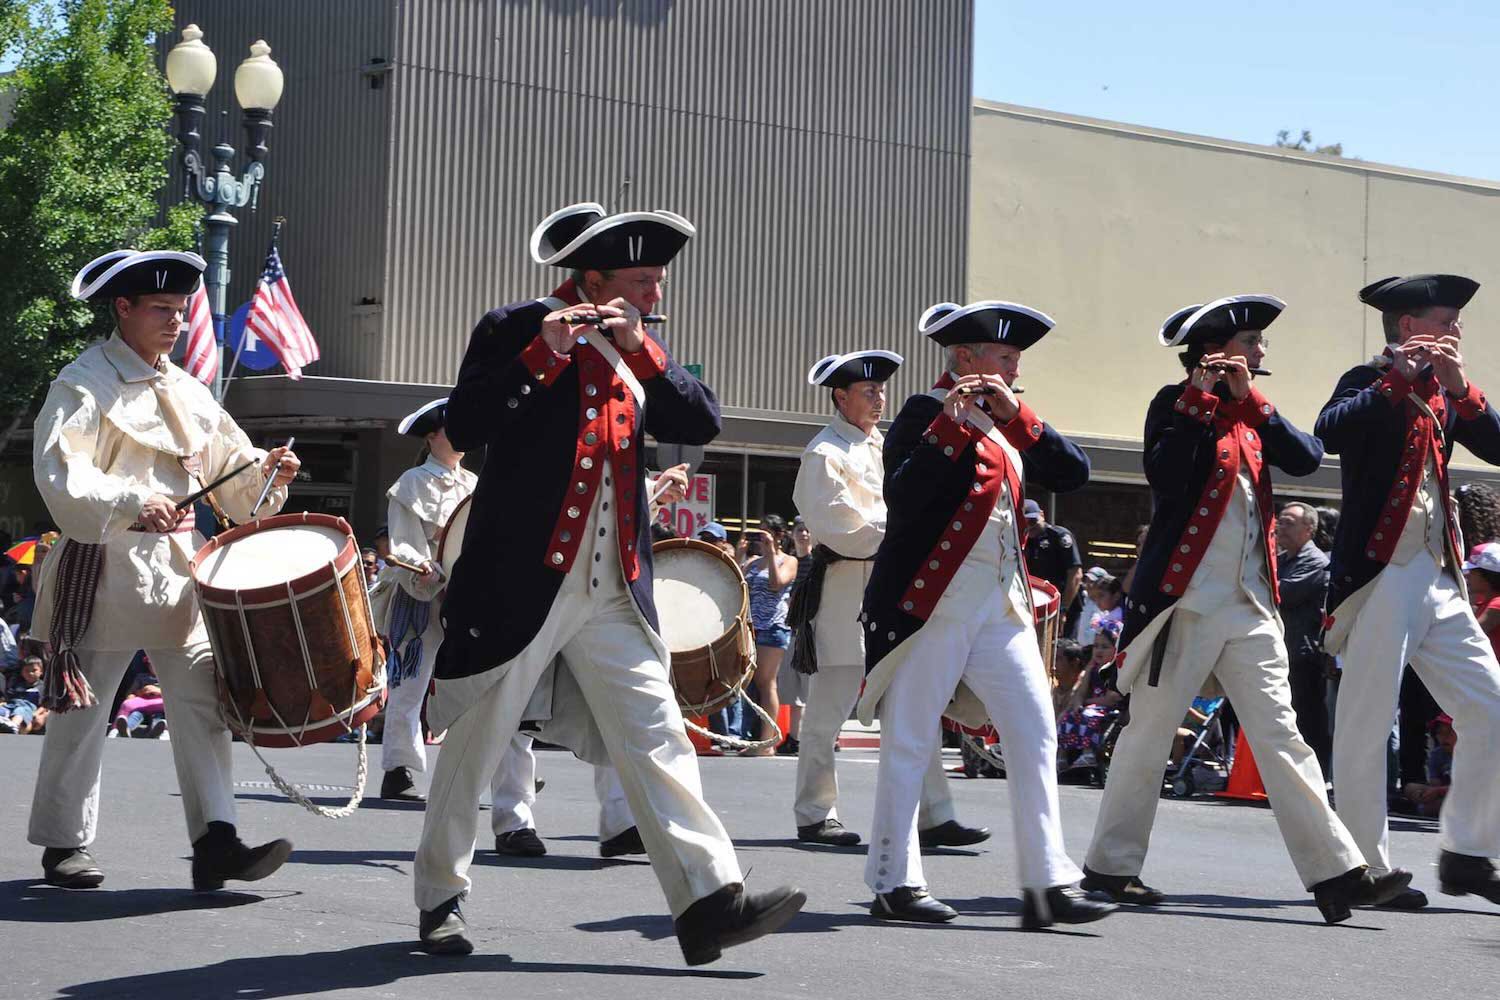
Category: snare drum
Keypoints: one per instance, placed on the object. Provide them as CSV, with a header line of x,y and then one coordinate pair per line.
x,y
451,538
295,655
704,607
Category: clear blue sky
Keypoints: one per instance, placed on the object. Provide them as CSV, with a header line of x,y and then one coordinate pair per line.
x,y
1413,84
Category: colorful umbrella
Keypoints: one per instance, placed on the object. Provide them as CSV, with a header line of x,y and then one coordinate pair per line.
x,y
23,553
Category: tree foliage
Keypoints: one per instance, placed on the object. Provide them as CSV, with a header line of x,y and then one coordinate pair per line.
x,y
1305,143
81,162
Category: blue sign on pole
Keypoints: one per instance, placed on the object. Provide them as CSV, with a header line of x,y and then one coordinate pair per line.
x,y
254,354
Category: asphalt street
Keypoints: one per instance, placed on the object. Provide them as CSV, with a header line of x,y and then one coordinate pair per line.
x,y
338,920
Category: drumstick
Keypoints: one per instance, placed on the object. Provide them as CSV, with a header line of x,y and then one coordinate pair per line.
x,y
271,478
410,567
662,485
185,504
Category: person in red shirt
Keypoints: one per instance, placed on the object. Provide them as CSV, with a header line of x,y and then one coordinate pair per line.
x,y
1482,574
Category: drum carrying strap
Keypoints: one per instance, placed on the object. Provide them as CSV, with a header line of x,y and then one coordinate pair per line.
x,y
611,354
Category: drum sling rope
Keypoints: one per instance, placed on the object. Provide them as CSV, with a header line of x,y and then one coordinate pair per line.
x,y
735,690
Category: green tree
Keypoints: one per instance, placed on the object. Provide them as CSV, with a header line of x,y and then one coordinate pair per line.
x,y
81,162
1305,143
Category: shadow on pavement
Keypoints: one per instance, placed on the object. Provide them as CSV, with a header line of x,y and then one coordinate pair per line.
x,y
334,801
1204,905
31,901
362,967
373,858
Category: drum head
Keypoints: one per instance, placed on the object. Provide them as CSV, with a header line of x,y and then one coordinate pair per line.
x,y
698,597
269,557
451,541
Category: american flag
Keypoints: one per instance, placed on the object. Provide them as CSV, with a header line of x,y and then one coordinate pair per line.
x,y
200,356
275,318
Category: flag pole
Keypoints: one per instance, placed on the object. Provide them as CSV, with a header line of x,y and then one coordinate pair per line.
x,y
235,362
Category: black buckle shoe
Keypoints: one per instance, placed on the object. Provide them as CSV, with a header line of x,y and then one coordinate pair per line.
x,y
71,868
1461,874
1335,896
952,834
912,903
628,842
1121,888
1061,904
789,747
732,916
828,831
523,843
442,931
220,856
398,784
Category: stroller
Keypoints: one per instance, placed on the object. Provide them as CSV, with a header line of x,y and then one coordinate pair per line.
x,y
1203,766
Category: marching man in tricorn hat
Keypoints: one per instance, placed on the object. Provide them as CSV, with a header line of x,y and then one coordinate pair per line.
x,y
563,390
124,435
948,613
1396,589
1204,601
840,491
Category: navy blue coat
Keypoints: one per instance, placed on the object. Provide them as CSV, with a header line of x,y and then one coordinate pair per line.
x,y
1367,424
1187,437
924,489
501,590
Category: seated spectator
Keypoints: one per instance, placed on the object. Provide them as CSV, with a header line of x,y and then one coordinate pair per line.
x,y
1482,574
1080,729
20,706
371,561
1427,797
1069,676
1092,579
1109,594
142,714
10,650
1192,724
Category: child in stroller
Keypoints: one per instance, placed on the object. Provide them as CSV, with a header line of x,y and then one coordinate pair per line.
x,y
1091,708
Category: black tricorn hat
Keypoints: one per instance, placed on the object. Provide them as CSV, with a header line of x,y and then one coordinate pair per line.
x,y
1018,326
1220,319
138,272
425,419
1419,291
839,371
583,236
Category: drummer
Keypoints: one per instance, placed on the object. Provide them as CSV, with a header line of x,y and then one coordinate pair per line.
x,y
948,613
549,393
840,491
123,436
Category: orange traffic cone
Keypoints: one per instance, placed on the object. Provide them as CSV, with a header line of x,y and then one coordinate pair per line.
x,y
784,723
1244,777
701,743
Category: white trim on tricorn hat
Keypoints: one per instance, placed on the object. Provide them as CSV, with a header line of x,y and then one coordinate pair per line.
x,y
550,225
95,276
405,426
1252,317
872,371
604,224
1168,332
940,317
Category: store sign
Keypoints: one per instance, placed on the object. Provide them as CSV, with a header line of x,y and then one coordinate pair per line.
x,y
694,511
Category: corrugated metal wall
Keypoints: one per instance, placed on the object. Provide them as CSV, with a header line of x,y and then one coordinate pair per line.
x,y
820,146
327,171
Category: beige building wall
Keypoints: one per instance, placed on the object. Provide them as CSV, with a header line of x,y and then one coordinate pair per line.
x,y
1108,228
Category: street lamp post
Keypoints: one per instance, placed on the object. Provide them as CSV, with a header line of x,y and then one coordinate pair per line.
x,y
191,68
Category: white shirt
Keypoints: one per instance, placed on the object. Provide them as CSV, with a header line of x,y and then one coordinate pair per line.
x,y
112,432
421,502
840,489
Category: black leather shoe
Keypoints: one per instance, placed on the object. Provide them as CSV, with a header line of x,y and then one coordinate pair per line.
x,y
443,932
398,784
628,842
1389,886
220,856
1406,899
828,831
911,903
789,747
71,868
1356,887
732,916
522,843
952,834
1121,888
1061,904
1461,874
